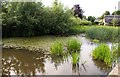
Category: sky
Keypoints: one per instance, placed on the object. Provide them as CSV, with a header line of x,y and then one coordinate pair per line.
x,y
91,7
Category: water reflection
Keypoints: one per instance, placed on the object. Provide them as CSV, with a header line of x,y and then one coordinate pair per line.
x,y
102,66
58,60
22,62
19,63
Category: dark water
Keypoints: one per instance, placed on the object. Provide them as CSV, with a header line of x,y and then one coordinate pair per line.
x,y
22,62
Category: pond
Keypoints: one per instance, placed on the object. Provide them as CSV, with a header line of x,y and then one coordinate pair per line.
x,y
24,62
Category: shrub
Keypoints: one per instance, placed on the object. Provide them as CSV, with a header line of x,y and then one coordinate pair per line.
x,y
85,22
102,52
77,21
56,48
33,19
73,45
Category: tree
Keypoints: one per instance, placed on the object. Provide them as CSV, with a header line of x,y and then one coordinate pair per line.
x,y
106,13
116,12
78,11
27,19
91,18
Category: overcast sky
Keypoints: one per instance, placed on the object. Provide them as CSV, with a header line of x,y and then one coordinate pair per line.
x,y
91,7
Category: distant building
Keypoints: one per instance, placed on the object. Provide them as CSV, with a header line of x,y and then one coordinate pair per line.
x,y
119,5
109,18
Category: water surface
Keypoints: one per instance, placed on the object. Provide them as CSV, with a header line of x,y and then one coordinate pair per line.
x,y
23,62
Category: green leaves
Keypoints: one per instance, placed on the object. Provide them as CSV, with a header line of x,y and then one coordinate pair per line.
x,y
33,19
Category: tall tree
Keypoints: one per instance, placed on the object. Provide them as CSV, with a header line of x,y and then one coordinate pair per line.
x,y
116,12
78,11
106,13
91,18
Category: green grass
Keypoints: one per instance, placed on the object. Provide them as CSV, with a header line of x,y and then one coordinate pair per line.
x,y
77,29
33,43
103,33
102,52
73,45
56,48
95,41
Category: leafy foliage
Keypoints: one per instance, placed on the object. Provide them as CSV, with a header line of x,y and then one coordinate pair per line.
x,y
33,19
77,21
102,52
91,18
116,12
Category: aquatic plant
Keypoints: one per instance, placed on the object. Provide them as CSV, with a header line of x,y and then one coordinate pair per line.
x,y
73,45
102,52
56,48
95,41
115,52
75,57
119,49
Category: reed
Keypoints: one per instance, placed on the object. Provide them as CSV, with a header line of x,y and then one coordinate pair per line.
x,y
73,45
56,48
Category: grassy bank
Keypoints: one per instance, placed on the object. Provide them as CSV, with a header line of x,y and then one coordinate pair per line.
x,y
77,29
32,43
103,33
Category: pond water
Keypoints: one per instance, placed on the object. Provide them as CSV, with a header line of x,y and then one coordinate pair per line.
x,y
23,62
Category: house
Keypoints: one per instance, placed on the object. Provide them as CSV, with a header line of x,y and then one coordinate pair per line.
x,y
109,18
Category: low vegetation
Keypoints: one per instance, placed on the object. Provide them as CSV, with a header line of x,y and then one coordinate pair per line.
x,y
103,33
102,52
56,48
77,21
77,29
73,45
75,57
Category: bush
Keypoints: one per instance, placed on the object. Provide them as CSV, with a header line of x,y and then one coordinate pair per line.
x,y
77,21
27,19
103,33
102,52
73,45
56,48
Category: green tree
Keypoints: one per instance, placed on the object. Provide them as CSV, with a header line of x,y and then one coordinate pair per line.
x,y
116,12
91,18
106,13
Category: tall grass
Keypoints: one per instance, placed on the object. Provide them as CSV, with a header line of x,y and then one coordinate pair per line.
x,y
102,52
103,33
56,48
73,45
77,29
